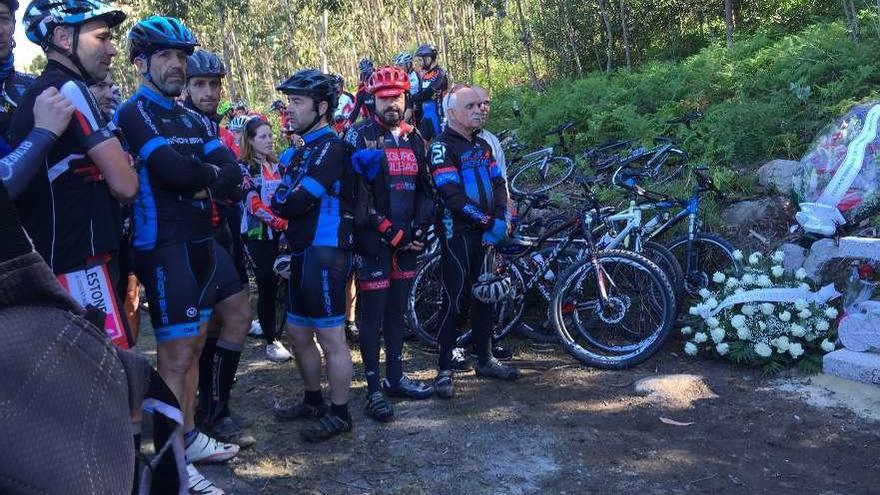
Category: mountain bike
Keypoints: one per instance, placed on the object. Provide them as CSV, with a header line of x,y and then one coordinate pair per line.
x,y
544,169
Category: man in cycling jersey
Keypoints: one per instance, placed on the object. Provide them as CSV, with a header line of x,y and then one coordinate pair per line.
x,y
316,196
392,215
219,359
474,204
71,208
182,166
404,60
344,108
429,99
363,100
12,83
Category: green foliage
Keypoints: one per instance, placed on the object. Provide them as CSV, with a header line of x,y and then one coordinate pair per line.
x,y
37,65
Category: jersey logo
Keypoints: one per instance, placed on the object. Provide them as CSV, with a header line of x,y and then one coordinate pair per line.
x,y
438,153
192,312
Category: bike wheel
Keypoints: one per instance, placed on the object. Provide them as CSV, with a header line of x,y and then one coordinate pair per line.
x,y
540,176
630,327
662,257
710,253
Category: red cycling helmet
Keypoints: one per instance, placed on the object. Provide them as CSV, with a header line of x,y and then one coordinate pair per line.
x,y
388,82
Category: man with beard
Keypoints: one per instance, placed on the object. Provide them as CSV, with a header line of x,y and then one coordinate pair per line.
x,y
71,208
391,218
219,360
104,97
182,166
429,99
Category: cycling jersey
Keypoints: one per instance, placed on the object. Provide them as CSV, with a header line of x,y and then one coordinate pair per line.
x,y
67,208
175,146
316,193
344,110
260,183
364,104
393,182
429,100
12,89
469,184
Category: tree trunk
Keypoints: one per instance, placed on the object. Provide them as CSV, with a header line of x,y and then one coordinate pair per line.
x,y
603,13
322,40
571,34
242,73
486,52
227,57
855,20
527,44
414,21
625,32
728,21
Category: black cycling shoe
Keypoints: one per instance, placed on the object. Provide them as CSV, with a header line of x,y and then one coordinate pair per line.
x,y
351,331
379,408
498,352
301,410
409,388
443,387
494,369
329,426
459,361
227,430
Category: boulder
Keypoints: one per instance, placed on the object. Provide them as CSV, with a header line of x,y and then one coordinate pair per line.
x,y
778,174
795,256
745,213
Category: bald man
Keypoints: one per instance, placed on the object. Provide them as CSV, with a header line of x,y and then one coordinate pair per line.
x,y
473,200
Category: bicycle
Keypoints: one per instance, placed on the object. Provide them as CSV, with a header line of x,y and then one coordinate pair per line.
x,y
544,169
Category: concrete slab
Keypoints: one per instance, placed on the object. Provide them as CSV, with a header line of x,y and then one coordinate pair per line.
x,y
856,366
827,391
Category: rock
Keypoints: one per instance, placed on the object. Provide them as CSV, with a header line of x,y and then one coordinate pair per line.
x,y
820,252
859,330
749,212
778,174
856,366
675,391
794,256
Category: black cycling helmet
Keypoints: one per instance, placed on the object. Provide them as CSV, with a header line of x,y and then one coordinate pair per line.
x,y
365,66
340,81
203,63
314,84
156,33
426,50
276,105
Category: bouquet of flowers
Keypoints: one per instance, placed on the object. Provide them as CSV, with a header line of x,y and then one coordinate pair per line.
x,y
766,317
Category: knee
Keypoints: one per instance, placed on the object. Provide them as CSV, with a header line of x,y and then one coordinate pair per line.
x,y
179,359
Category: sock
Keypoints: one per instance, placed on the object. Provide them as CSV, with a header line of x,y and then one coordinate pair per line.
x,y
190,437
313,397
206,372
340,410
226,361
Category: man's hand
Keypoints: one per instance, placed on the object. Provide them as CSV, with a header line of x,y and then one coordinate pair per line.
x,y
52,111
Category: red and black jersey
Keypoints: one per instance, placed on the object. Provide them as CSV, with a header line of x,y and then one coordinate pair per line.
x,y
364,104
67,208
394,188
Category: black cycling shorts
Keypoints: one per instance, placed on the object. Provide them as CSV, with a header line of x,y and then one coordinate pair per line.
x,y
227,278
376,271
181,286
316,295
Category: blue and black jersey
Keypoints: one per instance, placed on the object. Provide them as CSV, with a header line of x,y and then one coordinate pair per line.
x,y
469,183
316,194
174,148
394,185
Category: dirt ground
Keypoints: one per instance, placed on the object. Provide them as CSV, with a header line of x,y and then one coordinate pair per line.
x,y
561,429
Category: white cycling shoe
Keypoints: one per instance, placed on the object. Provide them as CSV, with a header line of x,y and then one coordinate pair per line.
x,y
199,485
205,449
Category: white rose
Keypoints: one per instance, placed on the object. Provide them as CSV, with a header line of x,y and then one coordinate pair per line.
x,y
712,303
767,308
717,335
781,344
695,310
731,282
748,279
778,256
796,350
722,348
797,330
755,258
718,277
777,271
764,281
687,330
743,333
800,274
738,321
763,350
831,312
700,337
737,255
748,310
705,293
690,349
827,345
800,304
712,322
762,325
822,326
804,314
785,316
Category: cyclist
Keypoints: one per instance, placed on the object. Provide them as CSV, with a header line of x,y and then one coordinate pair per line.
x,y
12,83
428,100
71,209
316,197
219,359
104,97
392,198
182,166
363,100
474,205
404,60
344,108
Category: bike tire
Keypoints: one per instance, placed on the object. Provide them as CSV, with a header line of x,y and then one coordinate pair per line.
x,y
663,257
527,179
708,246
582,344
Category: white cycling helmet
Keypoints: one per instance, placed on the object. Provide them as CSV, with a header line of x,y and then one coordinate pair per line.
x,y
237,124
490,286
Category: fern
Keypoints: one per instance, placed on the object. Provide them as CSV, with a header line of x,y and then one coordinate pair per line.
x,y
772,367
741,353
810,365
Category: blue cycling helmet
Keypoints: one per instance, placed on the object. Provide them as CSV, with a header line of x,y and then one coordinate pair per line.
x,y
42,17
159,33
365,66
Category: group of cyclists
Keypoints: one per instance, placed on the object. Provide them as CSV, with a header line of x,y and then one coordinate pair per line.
x,y
173,190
